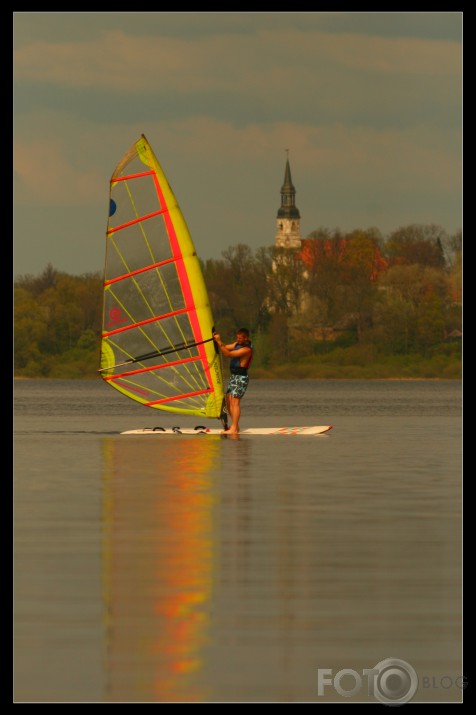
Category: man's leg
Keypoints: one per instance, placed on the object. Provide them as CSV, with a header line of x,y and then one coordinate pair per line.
x,y
235,413
237,388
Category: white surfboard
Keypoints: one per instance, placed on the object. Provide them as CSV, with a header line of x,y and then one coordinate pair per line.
x,y
276,431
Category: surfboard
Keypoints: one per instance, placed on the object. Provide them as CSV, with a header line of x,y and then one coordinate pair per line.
x,y
200,429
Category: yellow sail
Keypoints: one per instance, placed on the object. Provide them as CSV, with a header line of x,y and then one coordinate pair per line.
x,y
157,346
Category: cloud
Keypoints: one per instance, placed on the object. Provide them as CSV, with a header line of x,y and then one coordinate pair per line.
x,y
44,175
369,107
52,170
117,61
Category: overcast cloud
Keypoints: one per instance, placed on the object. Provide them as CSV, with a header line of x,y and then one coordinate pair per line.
x,y
368,104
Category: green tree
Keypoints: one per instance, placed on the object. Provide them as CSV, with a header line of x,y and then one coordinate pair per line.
x,y
30,330
358,268
286,283
237,287
322,256
54,313
422,244
420,294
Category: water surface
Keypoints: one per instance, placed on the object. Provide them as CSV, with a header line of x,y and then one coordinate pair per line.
x,y
209,569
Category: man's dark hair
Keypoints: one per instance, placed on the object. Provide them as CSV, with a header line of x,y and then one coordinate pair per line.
x,y
244,331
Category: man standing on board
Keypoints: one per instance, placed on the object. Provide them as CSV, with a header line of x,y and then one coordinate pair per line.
x,y
241,354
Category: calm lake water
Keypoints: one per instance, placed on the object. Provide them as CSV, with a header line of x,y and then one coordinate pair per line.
x,y
198,569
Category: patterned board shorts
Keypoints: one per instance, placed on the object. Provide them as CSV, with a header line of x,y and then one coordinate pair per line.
x,y
237,385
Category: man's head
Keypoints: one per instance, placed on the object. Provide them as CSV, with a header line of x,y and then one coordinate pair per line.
x,y
243,335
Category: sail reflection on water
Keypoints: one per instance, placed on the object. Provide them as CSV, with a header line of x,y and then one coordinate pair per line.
x,y
158,566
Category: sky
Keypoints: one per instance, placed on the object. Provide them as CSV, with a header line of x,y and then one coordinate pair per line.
x,y
367,105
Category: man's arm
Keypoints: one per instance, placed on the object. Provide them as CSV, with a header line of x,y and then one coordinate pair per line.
x,y
227,350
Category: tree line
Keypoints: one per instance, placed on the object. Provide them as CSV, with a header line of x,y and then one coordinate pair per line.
x,y
347,305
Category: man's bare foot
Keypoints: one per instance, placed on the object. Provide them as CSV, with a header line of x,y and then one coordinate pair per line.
x,y
230,431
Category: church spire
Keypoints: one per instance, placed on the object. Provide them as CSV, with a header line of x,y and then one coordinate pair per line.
x,y
288,218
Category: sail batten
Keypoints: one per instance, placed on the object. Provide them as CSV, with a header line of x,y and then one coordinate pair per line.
x,y
112,231
178,397
117,179
156,367
139,270
145,322
155,302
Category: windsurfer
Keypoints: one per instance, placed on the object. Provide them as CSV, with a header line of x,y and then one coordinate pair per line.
x,y
241,354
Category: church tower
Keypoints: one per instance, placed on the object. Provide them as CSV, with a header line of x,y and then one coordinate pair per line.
x,y
288,233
